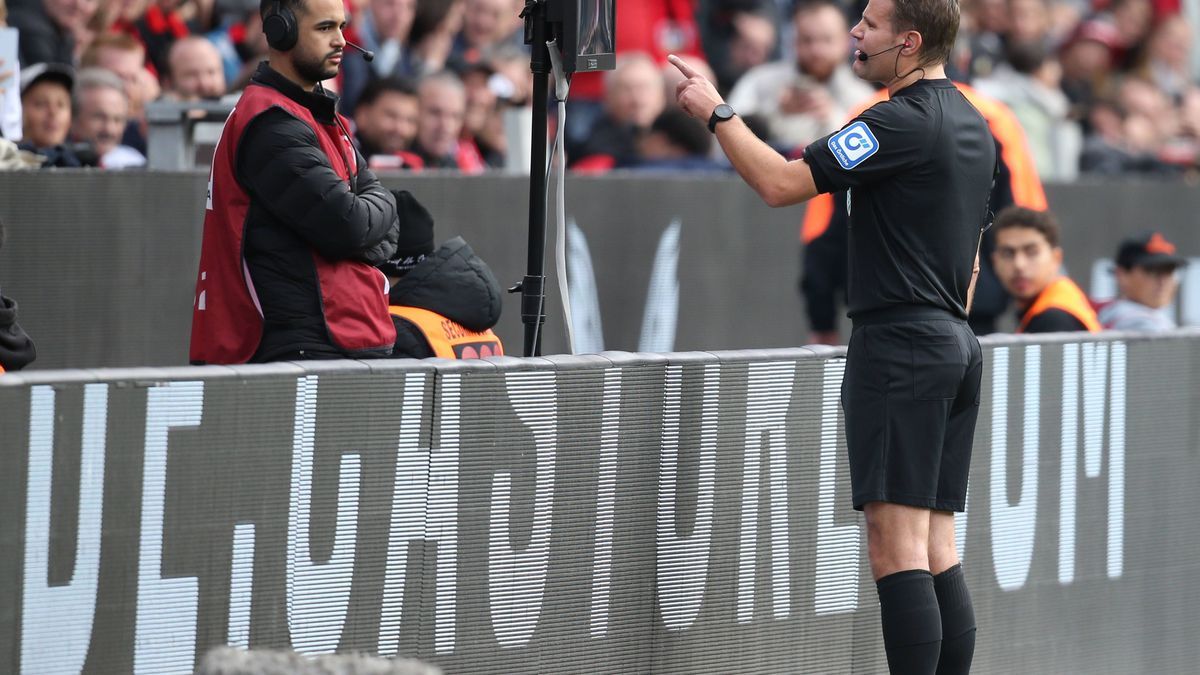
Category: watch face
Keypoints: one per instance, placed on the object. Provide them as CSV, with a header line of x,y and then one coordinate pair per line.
x,y
724,111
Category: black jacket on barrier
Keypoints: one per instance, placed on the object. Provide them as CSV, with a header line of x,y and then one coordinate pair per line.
x,y
282,167
16,349
453,282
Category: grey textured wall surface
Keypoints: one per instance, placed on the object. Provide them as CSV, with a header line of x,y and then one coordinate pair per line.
x,y
632,513
104,265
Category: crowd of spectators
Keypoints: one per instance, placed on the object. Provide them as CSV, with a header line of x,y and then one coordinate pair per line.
x,y
1100,86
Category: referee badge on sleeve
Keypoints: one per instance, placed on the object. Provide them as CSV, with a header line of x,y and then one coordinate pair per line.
x,y
853,145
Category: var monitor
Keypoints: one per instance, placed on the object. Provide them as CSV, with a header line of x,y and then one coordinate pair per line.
x,y
589,33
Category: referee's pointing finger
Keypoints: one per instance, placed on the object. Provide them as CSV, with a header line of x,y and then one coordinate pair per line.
x,y
683,67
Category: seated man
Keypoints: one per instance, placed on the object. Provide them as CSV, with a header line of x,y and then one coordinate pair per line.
x,y
99,117
1027,259
195,71
442,105
1146,283
444,302
386,123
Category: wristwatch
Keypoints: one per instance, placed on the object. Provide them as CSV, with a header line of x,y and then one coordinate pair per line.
x,y
721,113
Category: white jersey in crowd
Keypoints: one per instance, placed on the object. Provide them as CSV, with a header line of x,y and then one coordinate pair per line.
x,y
1122,314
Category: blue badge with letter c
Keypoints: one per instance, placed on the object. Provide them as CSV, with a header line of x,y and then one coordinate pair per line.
x,y
853,145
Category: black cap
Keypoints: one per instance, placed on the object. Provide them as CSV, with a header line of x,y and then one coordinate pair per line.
x,y
416,235
1148,250
53,72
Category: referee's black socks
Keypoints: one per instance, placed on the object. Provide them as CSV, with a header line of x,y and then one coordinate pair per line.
x,y
958,622
912,624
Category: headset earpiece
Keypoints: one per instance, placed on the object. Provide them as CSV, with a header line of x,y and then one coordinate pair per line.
x,y
280,27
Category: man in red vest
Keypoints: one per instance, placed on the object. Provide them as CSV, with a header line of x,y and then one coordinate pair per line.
x,y
1028,261
295,221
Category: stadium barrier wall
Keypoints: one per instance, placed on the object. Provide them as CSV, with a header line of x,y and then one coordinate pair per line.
x,y
617,513
104,265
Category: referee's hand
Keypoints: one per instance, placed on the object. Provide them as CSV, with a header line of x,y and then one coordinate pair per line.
x,y
695,95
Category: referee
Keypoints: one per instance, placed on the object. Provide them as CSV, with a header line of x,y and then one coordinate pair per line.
x,y
918,168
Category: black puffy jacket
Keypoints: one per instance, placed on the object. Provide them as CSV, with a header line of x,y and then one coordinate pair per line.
x,y
453,282
16,349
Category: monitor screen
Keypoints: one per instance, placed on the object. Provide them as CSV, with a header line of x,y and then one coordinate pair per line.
x,y
596,21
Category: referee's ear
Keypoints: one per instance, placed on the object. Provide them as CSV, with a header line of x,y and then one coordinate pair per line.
x,y
912,42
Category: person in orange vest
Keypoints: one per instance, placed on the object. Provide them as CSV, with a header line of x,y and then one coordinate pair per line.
x,y
444,302
1028,260
16,349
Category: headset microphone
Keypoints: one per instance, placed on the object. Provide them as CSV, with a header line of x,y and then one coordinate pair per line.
x,y
366,54
863,57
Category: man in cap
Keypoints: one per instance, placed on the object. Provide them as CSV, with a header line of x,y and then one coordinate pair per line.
x,y
1146,282
46,110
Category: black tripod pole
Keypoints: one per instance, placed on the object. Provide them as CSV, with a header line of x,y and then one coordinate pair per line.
x,y
533,286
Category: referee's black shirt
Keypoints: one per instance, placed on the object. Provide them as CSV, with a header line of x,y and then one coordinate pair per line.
x,y
919,168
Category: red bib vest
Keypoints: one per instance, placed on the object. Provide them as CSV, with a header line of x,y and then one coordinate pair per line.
x,y
227,320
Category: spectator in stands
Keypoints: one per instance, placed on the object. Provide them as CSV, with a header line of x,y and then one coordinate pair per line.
x,y
46,110
242,46
1147,280
1087,66
159,27
1125,24
51,29
125,56
119,16
483,122
634,97
1131,132
442,101
676,142
99,116
751,44
16,349
1028,83
983,25
512,80
444,303
1028,261
1166,61
386,121
435,26
383,27
194,71
805,99
488,24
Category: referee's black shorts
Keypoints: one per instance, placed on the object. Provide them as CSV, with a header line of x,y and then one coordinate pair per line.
x,y
911,398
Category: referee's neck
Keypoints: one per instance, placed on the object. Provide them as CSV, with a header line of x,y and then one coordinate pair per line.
x,y
937,72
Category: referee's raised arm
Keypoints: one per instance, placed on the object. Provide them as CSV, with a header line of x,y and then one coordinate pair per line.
x,y
778,181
